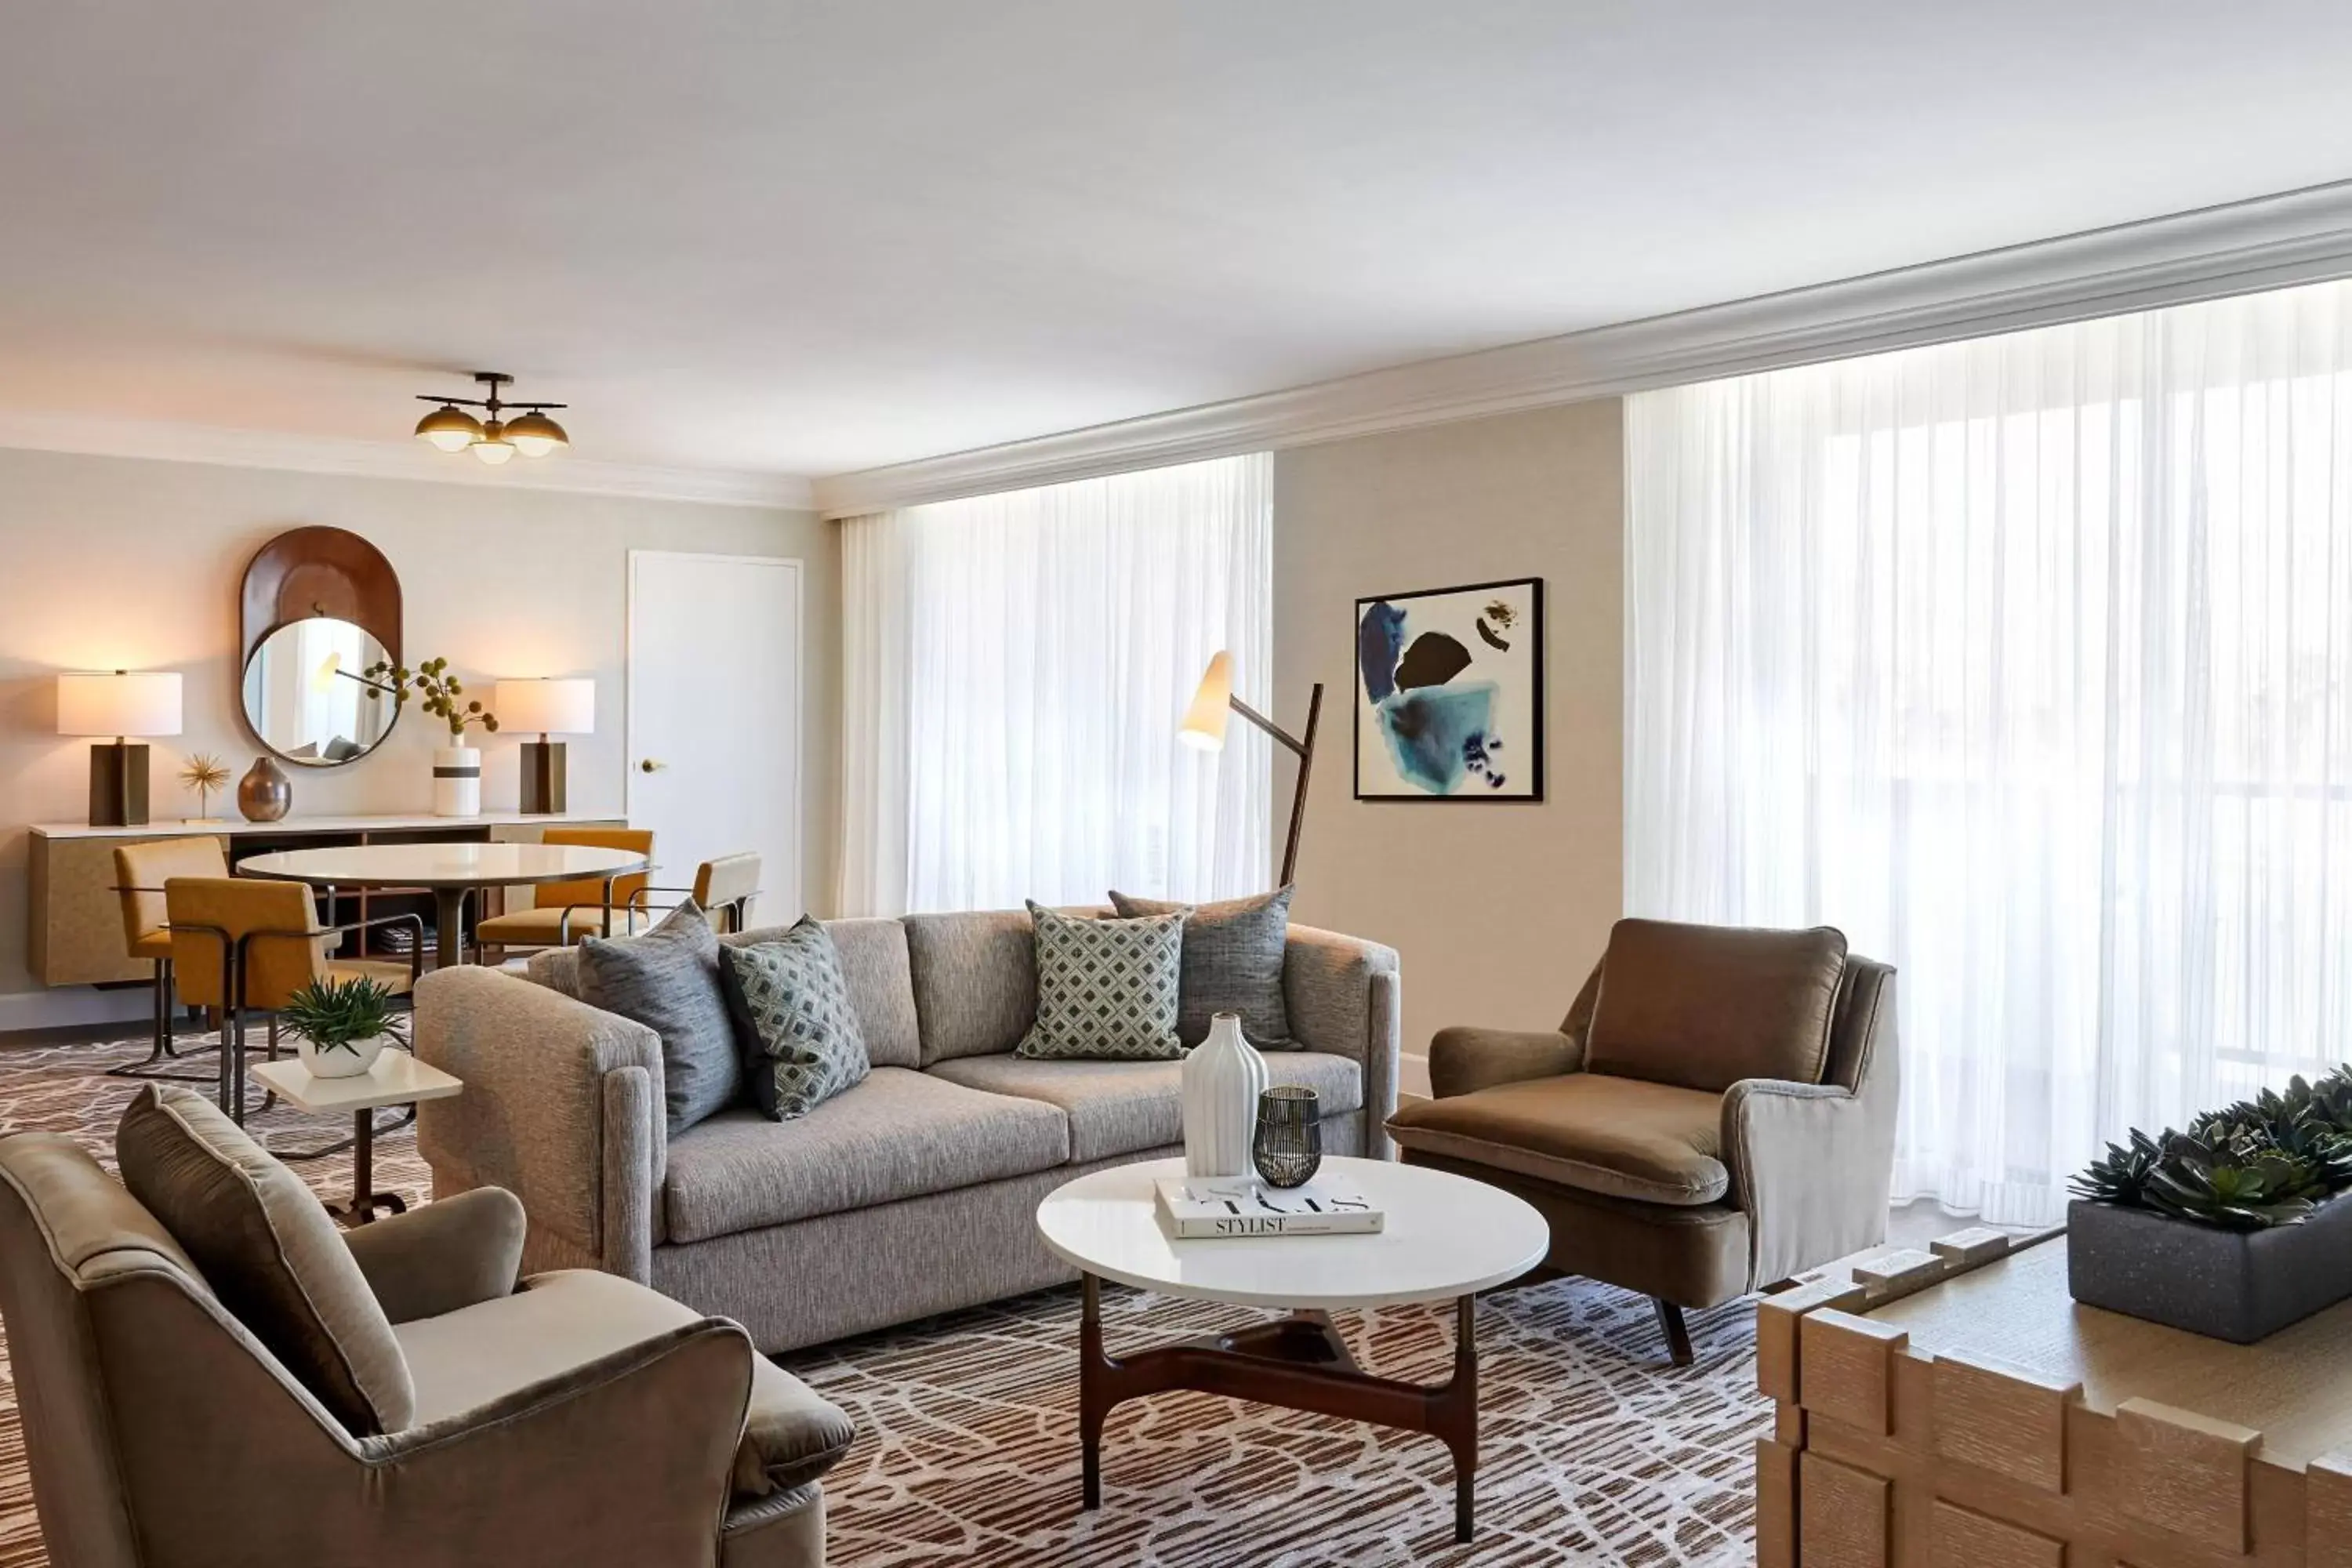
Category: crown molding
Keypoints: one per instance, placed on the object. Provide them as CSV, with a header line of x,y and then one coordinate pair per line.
x,y
409,460
2299,237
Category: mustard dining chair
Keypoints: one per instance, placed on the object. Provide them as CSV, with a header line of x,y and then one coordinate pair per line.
x,y
139,872
242,945
563,913
723,887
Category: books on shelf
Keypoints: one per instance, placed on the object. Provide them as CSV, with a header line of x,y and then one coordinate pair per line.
x,y
1196,1208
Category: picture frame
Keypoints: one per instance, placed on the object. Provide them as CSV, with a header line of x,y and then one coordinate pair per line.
x,y
1449,694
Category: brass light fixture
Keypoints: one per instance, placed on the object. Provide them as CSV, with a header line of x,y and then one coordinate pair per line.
x,y
497,438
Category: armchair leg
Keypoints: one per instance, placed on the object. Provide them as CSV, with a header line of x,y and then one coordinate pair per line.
x,y
1670,1323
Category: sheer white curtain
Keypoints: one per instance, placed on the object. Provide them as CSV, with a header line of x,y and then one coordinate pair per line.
x,y
2027,662
1014,670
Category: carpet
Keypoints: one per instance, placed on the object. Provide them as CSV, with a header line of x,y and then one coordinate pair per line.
x,y
1592,1449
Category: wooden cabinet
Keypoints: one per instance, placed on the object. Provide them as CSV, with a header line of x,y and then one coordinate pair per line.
x,y
1956,1408
74,926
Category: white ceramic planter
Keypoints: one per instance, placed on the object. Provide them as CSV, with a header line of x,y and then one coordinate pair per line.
x,y
342,1062
1222,1079
456,780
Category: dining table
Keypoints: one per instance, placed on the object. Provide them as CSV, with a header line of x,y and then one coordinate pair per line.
x,y
451,872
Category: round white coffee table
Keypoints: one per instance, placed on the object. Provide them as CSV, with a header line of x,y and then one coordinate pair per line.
x,y
1446,1237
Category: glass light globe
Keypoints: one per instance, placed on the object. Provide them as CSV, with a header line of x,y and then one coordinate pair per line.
x,y
494,447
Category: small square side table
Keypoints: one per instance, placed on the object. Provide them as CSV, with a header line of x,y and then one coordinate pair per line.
x,y
397,1079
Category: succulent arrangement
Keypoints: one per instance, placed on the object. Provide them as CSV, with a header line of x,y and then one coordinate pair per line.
x,y
334,1014
439,690
2264,1162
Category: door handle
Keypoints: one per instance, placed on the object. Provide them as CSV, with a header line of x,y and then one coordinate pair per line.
x,y
651,766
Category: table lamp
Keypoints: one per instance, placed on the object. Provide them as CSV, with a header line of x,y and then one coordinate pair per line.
x,y
1204,729
119,703
565,706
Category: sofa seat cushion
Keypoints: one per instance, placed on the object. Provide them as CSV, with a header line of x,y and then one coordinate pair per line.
x,y
1124,1107
1620,1137
899,1134
565,1320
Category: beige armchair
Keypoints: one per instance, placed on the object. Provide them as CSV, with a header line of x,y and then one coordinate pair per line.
x,y
396,1397
1716,1114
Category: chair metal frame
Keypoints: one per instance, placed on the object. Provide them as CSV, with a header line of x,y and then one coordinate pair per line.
x,y
160,1049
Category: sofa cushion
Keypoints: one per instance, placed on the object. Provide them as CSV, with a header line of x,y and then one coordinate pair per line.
x,y
668,980
564,1320
1705,1006
1124,1107
900,1134
1106,988
267,1250
1232,963
792,1011
975,980
873,955
1620,1137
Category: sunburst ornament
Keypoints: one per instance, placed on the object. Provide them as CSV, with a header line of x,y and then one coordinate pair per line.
x,y
204,774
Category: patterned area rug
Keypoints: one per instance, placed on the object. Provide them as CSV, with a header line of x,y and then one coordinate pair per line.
x,y
1592,1449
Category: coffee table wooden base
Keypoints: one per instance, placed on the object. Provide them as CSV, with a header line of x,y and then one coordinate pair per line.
x,y
1299,1363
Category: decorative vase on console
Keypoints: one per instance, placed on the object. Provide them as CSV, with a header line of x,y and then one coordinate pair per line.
x,y
456,780
457,767
265,794
1224,1076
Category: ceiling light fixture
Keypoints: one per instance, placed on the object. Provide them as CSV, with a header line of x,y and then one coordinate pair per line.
x,y
496,439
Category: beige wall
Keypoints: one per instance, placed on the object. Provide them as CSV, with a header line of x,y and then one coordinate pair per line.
x,y
109,563
1497,911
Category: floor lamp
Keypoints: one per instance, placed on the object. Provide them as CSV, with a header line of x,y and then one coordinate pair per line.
x,y
1204,728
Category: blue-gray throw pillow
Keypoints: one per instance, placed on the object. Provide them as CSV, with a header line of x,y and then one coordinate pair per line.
x,y
1232,963
1105,989
792,1008
668,980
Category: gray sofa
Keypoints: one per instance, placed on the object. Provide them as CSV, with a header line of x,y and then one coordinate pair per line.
x,y
913,1192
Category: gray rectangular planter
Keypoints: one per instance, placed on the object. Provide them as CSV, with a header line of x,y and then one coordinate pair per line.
x,y
2234,1285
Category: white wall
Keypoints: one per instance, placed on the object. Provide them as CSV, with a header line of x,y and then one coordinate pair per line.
x,y
1497,911
109,562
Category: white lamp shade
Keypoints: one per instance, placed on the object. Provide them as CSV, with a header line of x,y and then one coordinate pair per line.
x,y
143,702
548,707
1204,722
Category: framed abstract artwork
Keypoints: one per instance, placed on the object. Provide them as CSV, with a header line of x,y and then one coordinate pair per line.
x,y
1449,693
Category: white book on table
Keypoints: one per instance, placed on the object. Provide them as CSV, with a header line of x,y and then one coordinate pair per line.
x,y
1197,1208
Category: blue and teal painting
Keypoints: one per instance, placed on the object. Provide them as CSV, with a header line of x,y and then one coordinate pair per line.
x,y
1447,688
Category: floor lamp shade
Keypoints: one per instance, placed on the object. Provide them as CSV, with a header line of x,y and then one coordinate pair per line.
x,y
1204,722
565,706
1213,703
120,704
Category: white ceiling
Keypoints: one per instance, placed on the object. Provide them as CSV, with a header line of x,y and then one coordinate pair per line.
x,y
809,238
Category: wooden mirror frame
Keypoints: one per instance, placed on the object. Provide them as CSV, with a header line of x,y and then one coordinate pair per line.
x,y
316,571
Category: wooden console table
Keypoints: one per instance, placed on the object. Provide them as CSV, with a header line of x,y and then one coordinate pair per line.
x,y
1956,1408
74,926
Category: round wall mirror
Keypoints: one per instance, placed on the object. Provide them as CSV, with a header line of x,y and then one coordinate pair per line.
x,y
307,699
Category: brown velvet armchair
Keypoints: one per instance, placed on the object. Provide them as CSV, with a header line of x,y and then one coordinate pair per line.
x,y
1716,1114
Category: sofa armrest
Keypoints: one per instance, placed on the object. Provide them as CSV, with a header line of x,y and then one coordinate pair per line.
x,y
1343,996
1811,1163
462,1250
563,1106
1464,1059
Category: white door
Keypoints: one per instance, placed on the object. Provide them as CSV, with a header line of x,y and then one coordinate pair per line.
x,y
714,716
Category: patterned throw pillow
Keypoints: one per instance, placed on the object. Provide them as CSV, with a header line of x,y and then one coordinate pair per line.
x,y
792,1003
1105,989
1232,963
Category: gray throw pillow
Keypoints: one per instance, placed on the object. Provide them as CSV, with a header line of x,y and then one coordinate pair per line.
x,y
267,1247
668,980
793,1009
1232,963
1105,989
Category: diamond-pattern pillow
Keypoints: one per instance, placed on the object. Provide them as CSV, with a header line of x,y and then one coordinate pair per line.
x,y
1107,989
791,1003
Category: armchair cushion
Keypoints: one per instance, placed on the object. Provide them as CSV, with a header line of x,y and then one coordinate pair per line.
x,y
269,1252
568,1319
1705,1006
465,1248
1619,1137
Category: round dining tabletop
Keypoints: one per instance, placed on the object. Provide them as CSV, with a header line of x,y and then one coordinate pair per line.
x,y
449,871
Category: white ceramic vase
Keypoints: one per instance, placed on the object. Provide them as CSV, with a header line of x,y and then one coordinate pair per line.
x,y
456,780
1222,1079
341,1062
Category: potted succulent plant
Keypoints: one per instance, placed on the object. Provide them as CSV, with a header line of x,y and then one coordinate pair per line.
x,y
342,1024
2234,1228
457,767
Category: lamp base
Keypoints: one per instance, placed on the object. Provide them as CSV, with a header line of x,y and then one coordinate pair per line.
x,y
543,773
118,785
